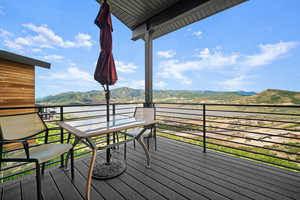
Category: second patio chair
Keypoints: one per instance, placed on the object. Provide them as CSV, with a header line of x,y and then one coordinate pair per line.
x,y
143,114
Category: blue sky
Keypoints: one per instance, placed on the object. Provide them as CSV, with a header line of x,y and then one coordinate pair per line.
x,y
252,47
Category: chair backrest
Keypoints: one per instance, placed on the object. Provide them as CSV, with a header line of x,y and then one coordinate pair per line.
x,y
144,113
21,126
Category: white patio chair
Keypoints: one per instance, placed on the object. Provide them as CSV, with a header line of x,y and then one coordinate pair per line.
x,y
21,128
144,114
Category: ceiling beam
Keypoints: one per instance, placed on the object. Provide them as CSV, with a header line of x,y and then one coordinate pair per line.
x,y
164,16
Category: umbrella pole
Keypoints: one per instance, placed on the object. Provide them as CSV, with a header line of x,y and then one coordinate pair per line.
x,y
107,96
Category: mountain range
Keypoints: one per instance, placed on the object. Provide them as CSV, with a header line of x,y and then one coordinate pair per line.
x,y
125,94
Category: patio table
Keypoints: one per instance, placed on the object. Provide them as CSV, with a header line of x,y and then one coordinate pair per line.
x,y
85,131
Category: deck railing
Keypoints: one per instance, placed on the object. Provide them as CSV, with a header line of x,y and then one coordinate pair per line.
x,y
264,133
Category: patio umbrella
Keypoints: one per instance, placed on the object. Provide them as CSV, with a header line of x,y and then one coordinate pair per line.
x,y
105,72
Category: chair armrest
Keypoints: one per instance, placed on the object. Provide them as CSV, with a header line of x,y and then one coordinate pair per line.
x,y
12,141
23,141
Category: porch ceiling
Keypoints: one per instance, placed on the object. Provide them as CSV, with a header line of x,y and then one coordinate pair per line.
x,y
164,16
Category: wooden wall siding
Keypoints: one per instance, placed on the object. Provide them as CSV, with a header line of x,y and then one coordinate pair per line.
x,y
17,86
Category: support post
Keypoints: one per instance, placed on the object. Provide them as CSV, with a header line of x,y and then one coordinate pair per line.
x,y
204,127
148,69
61,134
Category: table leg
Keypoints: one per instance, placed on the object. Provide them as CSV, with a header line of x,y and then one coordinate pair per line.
x,y
140,140
90,174
90,144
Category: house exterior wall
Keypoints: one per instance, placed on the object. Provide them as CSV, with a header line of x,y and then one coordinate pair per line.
x,y
17,86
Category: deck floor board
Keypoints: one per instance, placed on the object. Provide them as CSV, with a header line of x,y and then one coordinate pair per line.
x,y
230,172
178,171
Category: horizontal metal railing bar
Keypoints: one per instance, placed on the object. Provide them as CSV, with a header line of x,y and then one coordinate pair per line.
x,y
199,119
238,130
248,138
263,154
177,108
182,131
256,159
68,105
218,133
193,129
180,113
84,117
252,132
124,113
254,126
84,111
239,105
156,103
252,112
126,108
254,119
180,122
212,132
251,145
235,153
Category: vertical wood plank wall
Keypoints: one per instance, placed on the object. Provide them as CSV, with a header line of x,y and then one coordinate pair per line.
x,y
17,86
17,89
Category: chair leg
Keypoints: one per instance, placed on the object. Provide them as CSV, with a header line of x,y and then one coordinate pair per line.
x,y
43,168
155,142
118,140
114,139
134,143
38,181
72,163
125,147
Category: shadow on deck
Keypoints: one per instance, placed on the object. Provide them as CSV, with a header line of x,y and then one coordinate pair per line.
x,y
178,171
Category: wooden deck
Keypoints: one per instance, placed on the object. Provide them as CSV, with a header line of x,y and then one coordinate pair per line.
x,y
178,171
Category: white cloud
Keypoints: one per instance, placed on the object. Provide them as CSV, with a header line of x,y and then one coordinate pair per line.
x,y
235,63
236,83
53,57
166,54
198,34
72,73
206,60
136,84
125,67
46,38
126,82
5,33
269,53
12,45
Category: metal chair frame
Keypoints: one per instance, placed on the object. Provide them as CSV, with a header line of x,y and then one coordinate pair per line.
x,y
28,159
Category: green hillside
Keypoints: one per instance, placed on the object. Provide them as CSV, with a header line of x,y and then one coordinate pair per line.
x,y
273,96
125,94
129,95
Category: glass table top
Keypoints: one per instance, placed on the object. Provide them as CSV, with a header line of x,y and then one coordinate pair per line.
x,y
98,126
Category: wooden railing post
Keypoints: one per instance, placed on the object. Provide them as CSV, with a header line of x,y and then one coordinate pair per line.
x,y
204,127
61,135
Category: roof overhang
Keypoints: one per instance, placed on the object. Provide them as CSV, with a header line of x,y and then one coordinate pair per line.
x,y
23,60
161,17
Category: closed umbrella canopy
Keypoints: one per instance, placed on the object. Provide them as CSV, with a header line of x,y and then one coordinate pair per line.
x,y
105,72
